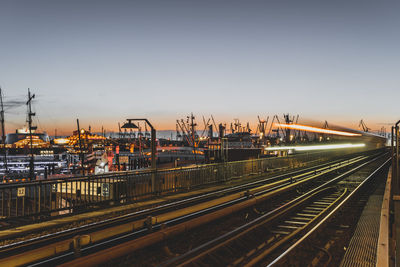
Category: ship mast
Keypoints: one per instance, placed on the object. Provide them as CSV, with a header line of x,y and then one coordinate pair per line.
x,y
193,130
30,115
3,131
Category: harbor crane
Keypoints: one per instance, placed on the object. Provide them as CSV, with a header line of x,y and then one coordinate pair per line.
x,y
363,126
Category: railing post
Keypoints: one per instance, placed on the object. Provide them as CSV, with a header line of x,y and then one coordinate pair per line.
x,y
225,171
397,157
39,196
394,179
154,182
396,196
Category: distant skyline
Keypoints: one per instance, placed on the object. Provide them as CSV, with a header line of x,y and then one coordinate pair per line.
x,y
105,61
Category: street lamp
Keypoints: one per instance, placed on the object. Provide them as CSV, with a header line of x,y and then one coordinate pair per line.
x,y
130,125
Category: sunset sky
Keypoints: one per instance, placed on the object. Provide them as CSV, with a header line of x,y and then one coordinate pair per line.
x,y
105,61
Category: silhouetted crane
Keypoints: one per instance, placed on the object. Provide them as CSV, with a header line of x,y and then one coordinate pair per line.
x,y
363,126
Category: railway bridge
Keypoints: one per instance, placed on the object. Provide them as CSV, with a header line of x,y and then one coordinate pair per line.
x,y
336,207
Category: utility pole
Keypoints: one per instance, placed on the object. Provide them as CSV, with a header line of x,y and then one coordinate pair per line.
x,y
30,115
193,130
80,147
3,132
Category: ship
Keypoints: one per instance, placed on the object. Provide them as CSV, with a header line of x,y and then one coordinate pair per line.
x,y
21,139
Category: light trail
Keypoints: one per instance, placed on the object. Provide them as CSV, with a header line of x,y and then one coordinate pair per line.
x,y
317,147
314,129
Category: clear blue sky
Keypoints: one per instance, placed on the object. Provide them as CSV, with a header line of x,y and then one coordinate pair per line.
x,y
104,61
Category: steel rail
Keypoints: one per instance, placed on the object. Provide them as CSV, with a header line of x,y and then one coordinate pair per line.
x,y
237,233
328,217
255,260
158,236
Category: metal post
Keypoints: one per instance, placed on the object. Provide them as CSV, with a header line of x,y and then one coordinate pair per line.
x,y
192,124
30,115
396,197
3,132
154,183
80,146
394,180
397,156
153,149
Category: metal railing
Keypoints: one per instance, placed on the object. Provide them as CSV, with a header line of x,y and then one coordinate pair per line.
x,y
395,195
57,197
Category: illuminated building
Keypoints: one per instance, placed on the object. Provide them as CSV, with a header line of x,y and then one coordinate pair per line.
x,y
36,142
21,139
86,137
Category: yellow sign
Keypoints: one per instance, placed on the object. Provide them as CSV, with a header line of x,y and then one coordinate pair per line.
x,y
21,191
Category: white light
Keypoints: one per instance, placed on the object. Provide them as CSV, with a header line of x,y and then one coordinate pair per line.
x,y
314,129
304,148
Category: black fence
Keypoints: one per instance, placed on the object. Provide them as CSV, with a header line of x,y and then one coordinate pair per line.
x,y
68,195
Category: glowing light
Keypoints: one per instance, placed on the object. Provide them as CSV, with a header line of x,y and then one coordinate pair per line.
x,y
318,147
315,129
61,141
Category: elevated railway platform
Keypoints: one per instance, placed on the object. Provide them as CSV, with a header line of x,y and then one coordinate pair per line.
x,y
367,240
194,216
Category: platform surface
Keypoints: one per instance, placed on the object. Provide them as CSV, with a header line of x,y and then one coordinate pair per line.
x,y
362,250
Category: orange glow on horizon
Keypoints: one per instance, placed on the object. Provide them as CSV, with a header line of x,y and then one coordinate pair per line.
x,y
65,127
314,129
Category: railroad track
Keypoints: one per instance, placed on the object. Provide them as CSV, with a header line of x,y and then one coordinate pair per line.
x,y
118,250
252,243
98,235
356,197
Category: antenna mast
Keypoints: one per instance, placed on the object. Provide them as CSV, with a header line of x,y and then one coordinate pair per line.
x,y
3,131
30,115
